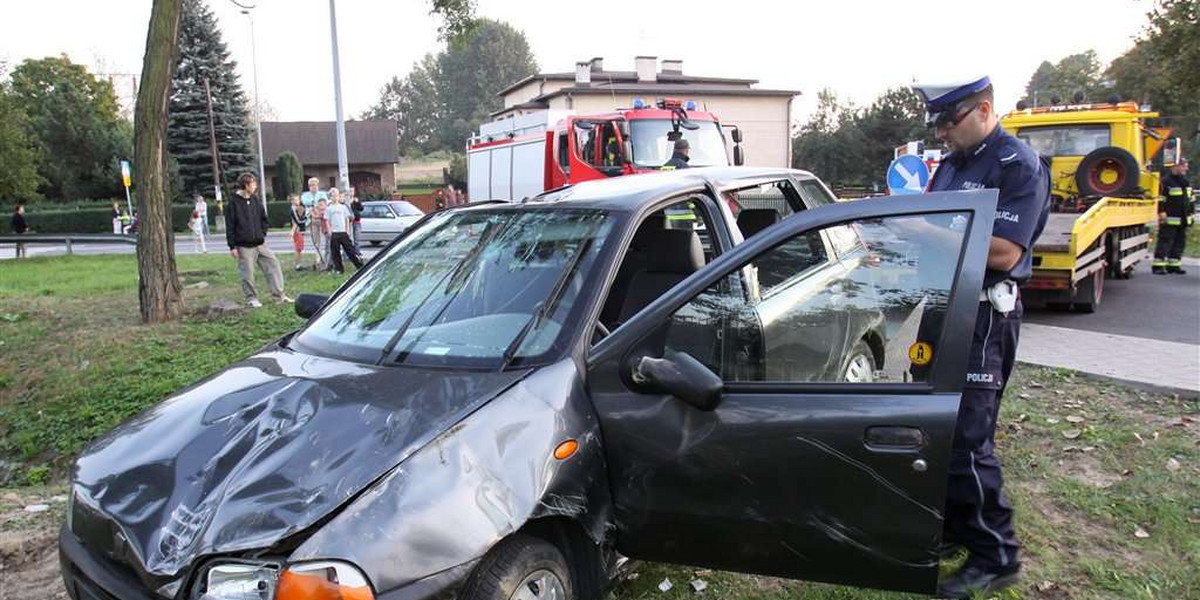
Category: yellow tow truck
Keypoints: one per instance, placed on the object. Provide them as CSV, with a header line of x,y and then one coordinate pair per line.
x,y
1103,196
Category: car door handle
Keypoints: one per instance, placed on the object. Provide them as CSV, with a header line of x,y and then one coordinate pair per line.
x,y
891,438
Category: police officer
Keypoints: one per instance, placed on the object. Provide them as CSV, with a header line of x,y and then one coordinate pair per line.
x,y
982,155
1175,216
679,160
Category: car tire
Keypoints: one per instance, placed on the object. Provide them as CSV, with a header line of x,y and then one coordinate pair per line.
x,y
860,364
521,567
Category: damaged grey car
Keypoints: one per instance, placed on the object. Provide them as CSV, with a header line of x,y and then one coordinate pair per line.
x,y
712,367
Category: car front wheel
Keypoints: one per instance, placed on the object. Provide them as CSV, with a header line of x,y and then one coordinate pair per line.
x,y
521,567
860,367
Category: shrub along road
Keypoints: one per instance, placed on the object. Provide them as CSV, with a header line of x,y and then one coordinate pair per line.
x,y
1105,478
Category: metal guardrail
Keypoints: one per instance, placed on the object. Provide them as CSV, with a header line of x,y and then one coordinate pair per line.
x,y
68,239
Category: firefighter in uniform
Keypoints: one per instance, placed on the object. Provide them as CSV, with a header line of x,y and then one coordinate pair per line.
x,y
1175,216
977,514
679,160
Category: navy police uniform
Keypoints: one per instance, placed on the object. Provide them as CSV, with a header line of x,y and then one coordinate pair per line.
x,y
978,516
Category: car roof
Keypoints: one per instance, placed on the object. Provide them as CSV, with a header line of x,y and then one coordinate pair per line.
x,y
629,193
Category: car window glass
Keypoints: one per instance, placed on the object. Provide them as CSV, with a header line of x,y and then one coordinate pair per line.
x,y
564,150
778,196
585,141
405,209
874,315
658,257
690,215
814,193
1066,140
463,288
761,206
790,259
376,211
845,239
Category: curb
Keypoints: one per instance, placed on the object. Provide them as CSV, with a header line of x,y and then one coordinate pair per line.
x,y
1129,383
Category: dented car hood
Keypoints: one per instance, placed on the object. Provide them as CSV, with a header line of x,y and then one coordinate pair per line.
x,y
258,452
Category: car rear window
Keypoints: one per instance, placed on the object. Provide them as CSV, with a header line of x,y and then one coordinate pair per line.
x,y
405,209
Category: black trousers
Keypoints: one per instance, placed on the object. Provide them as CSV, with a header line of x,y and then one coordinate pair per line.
x,y
978,514
1171,240
341,241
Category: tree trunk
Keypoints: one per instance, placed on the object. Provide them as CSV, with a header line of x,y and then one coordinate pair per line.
x,y
159,293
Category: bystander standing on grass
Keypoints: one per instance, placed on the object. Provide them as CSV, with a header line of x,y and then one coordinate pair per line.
x,y
299,217
340,219
246,232
196,226
319,227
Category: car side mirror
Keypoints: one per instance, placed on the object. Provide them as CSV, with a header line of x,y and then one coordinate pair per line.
x,y
736,134
307,305
680,375
627,152
739,157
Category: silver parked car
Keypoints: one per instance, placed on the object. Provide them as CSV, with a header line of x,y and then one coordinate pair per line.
x,y
383,221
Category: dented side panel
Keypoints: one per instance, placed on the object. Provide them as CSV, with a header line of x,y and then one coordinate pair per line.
x,y
480,481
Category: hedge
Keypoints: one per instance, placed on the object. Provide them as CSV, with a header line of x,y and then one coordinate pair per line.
x,y
99,220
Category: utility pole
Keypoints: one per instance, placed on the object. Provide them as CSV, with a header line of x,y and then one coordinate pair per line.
x,y
212,142
216,162
262,177
343,166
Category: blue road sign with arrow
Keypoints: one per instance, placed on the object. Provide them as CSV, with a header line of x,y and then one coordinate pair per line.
x,y
907,175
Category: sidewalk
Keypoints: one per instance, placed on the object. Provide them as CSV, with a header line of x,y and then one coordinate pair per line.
x,y
1140,360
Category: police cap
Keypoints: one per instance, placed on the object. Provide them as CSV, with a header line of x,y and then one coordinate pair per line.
x,y
943,101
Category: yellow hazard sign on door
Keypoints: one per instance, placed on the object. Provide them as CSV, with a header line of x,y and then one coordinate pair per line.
x,y
920,353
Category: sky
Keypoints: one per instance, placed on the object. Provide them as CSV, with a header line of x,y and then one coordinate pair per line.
x,y
858,48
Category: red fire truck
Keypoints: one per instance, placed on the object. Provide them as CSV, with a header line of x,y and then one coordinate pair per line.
x,y
519,157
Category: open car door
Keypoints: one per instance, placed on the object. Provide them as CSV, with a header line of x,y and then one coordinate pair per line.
x,y
789,409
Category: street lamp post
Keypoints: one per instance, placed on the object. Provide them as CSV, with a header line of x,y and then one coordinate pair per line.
x,y
262,177
343,167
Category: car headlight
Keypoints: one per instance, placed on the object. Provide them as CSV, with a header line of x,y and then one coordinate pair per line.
x,y
240,582
324,580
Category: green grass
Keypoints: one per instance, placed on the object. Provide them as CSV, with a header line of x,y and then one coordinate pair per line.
x,y
75,361
1193,241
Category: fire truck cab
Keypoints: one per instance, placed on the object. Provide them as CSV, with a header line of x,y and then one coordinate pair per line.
x,y
525,155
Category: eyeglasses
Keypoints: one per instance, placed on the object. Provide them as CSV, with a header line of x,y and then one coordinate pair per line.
x,y
949,119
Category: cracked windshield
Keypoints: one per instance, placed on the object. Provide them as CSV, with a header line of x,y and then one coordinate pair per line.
x,y
475,289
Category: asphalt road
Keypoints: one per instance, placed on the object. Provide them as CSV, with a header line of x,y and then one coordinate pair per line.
x,y
1160,307
1150,306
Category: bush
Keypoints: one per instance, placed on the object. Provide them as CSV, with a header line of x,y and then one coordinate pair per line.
x,y
289,175
99,220
458,170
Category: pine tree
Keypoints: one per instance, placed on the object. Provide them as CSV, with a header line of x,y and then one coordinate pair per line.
x,y
202,54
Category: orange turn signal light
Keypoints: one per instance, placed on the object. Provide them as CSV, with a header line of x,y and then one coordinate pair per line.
x,y
321,584
566,449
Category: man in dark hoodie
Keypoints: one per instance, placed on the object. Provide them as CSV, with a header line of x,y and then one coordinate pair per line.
x,y
246,232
